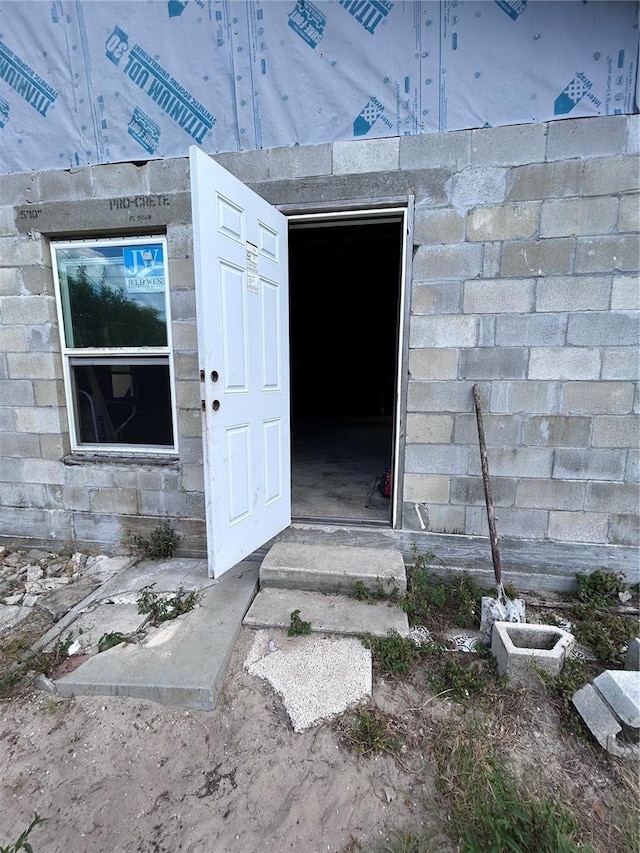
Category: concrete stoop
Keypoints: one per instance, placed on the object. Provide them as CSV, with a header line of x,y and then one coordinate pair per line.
x,y
610,706
319,582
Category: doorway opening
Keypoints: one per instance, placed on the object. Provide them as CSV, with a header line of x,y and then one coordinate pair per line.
x,y
345,286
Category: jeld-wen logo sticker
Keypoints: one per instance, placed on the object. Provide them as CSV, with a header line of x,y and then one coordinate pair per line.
x,y
156,82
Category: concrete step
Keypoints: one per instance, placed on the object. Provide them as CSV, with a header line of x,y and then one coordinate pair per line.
x,y
328,613
332,569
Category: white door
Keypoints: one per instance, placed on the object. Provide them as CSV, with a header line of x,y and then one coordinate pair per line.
x,y
241,267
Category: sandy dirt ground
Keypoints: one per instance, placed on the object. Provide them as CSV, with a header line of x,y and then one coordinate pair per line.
x,y
123,775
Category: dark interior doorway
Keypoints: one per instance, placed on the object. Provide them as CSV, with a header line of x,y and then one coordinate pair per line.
x,y
344,293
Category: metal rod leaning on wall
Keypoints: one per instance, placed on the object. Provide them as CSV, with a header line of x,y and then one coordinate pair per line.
x,y
493,536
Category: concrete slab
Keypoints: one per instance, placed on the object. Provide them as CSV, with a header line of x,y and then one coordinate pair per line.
x,y
332,569
58,602
106,618
316,677
185,661
331,614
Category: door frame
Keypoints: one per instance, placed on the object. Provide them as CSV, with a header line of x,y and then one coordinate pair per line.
x,y
402,209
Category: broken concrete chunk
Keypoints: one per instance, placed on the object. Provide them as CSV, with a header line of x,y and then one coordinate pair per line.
x,y
632,656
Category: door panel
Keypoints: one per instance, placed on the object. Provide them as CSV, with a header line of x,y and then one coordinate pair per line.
x,y
241,266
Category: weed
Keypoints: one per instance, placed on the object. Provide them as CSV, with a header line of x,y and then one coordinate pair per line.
x,y
600,588
22,843
449,676
409,842
160,544
163,607
572,677
489,809
108,641
298,626
373,732
607,634
362,592
395,655
432,601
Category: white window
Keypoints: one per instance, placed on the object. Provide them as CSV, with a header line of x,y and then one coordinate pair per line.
x,y
113,310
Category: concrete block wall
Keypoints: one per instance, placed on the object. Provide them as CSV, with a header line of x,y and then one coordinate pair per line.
x,y
47,492
525,280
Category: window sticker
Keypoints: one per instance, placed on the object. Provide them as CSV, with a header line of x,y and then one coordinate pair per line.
x,y
143,268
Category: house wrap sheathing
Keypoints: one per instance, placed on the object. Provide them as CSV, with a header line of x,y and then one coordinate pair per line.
x,y
507,133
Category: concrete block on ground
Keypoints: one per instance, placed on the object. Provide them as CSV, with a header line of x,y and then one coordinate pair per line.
x,y
621,691
521,650
332,569
332,614
598,716
632,656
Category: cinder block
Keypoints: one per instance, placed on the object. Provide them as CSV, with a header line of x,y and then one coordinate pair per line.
x,y
613,398
438,297
21,251
7,223
429,429
569,293
564,363
88,476
195,506
616,431
491,260
523,650
456,261
586,137
552,256
619,363
625,293
442,518
38,420
42,471
189,423
610,175
7,420
588,464
119,179
633,135
180,241
556,431
183,305
479,185
74,498
504,222
55,446
486,330
35,365
469,491
10,472
193,478
14,338
545,180
181,274
432,363
445,331
367,155
632,470
438,226
494,363
440,396
498,296
37,281
531,462
612,497
531,330
427,488
19,444
116,501
510,523
618,328
499,430
624,529
248,166
550,494
43,338
191,451
578,526
629,214
48,393
20,189
66,184
10,281
435,150
188,394
608,253
298,161
169,176
435,459
571,216
165,504
510,145
530,397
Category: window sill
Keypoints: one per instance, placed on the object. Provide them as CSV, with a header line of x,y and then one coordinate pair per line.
x,y
84,457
